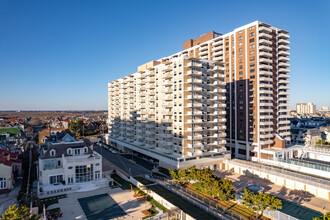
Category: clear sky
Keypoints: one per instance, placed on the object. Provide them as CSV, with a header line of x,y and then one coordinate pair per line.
x,y
60,54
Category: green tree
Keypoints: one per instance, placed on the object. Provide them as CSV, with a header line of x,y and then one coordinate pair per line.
x,y
226,191
14,212
326,216
260,202
77,127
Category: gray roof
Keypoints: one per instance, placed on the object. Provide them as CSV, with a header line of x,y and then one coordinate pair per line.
x,y
62,148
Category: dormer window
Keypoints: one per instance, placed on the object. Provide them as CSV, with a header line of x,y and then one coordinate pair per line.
x,y
77,151
52,153
85,150
69,151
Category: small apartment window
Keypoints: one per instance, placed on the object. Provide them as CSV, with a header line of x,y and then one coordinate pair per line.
x,y
251,40
241,67
241,55
97,175
240,32
240,49
240,72
52,153
251,34
240,38
252,58
252,70
227,43
227,48
252,64
251,28
251,52
240,61
252,46
252,77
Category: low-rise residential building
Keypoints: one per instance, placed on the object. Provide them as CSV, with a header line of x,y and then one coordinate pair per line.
x,y
10,168
44,133
63,166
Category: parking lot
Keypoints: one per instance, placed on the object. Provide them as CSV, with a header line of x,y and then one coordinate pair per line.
x,y
123,164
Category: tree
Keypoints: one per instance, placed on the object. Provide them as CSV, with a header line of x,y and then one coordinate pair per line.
x,y
227,190
260,202
77,127
326,216
14,212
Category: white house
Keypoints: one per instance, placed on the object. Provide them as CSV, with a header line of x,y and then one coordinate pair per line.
x,y
64,167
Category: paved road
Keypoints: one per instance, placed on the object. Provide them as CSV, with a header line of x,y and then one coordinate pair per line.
x,y
122,163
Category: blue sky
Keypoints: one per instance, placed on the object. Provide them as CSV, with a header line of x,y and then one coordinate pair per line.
x,y
60,54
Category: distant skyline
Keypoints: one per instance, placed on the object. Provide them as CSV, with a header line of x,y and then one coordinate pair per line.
x,y
60,55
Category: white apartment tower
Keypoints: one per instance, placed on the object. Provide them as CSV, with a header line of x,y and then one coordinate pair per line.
x,y
172,111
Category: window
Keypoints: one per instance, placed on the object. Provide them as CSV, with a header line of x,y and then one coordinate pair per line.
x,y
49,164
52,153
251,34
70,180
241,55
251,40
252,58
251,52
251,28
58,163
3,183
55,179
252,70
252,76
240,38
69,151
240,49
240,44
252,64
240,32
77,151
240,72
85,150
97,175
252,46
84,173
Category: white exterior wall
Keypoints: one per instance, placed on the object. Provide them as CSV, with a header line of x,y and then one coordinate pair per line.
x,y
6,172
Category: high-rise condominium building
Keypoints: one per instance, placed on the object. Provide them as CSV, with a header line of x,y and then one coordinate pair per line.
x,y
172,110
256,75
303,108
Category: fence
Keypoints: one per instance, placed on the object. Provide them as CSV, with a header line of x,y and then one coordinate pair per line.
x,y
313,181
304,163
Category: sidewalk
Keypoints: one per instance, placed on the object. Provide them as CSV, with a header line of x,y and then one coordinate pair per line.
x,y
8,199
299,197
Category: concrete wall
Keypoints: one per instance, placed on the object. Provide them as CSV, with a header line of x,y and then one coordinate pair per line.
x,y
281,181
6,172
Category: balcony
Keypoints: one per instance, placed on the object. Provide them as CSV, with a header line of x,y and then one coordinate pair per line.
x,y
195,129
266,85
283,42
284,59
217,90
195,89
150,86
194,65
265,48
203,53
219,58
265,60
283,53
217,43
265,42
284,76
268,104
283,93
167,83
194,73
219,53
195,121
265,73
283,81
283,70
217,48
266,142
264,29
283,47
283,36
195,113
266,79
194,97
196,137
168,97
265,54
264,35
168,90
150,79
196,81
282,64
264,123
142,88
167,68
196,105
267,67
262,91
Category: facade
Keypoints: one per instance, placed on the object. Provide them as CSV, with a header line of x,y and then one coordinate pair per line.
x,y
63,166
303,108
10,168
256,60
171,110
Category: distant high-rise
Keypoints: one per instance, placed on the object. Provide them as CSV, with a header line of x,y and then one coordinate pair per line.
x,y
303,108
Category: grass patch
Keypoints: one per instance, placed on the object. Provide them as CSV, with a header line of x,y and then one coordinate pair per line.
x,y
124,184
11,131
143,180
